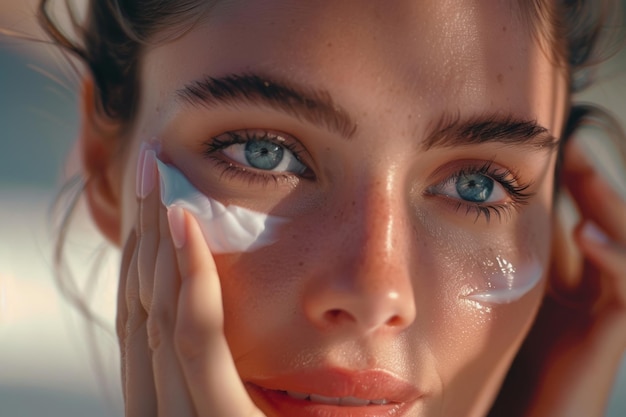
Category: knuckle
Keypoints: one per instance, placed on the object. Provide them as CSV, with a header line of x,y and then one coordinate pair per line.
x,y
133,301
159,327
145,297
133,324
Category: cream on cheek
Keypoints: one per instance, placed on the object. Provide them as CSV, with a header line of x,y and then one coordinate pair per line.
x,y
505,282
502,276
227,229
500,267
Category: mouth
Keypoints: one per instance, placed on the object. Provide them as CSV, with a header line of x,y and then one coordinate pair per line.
x,y
341,401
334,393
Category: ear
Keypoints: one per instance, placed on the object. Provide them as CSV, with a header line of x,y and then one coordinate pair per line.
x,y
99,145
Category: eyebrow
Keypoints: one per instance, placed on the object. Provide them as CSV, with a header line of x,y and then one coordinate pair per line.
x,y
313,106
451,130
318,108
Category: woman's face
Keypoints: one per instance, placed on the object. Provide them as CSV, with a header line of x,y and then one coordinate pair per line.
x,y
409,146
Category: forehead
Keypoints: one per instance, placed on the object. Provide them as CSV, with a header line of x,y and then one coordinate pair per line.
x,y
452,54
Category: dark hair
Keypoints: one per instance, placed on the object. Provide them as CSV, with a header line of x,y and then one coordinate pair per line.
x,y
112,37
111,40
114,33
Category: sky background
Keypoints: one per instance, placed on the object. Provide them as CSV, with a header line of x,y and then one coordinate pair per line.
x,y
47,360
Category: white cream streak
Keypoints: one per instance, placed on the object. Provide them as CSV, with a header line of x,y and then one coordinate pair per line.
x,y
508,283
227,229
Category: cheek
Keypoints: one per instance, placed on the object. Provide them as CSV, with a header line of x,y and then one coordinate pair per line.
x,y
262,290
474,339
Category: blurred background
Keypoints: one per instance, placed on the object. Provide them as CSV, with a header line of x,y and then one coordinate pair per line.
x,y
53,362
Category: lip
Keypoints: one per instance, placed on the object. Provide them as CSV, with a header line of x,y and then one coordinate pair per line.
x,y
336,383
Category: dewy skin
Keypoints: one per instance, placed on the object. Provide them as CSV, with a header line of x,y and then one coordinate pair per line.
x,y
227,229
508,283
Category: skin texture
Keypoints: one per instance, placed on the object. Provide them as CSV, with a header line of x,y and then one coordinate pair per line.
x,y
393,300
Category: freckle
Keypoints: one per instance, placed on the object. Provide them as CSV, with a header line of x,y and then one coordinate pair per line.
x,y
510,67
503,28
353,203
300,263
500,78
329,44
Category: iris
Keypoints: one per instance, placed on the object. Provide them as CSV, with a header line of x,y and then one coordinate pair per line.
x,y
476,188
263,154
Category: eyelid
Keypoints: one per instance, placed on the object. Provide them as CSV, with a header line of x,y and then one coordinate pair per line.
x,y
215,144
245,135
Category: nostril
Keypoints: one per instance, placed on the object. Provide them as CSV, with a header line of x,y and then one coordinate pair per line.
x,y
395,321
336,315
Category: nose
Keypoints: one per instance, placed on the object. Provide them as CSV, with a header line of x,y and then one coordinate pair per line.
x,y
366,282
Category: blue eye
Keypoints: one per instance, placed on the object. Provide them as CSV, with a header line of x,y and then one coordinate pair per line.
x,y
482,187
264,155
476,188
483,190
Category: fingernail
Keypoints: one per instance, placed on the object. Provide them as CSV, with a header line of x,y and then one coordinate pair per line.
x,y
155,145
176,219
148,175
140,159
594,234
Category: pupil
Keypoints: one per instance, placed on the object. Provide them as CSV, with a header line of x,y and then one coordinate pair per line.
x,y
263,154
474,187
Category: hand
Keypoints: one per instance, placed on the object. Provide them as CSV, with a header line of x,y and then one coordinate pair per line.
x,y
569,361
175,357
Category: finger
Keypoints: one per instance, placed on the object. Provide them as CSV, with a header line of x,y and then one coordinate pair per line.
x,y
139,390
122,310
595,198
607,256
171,387
148,220
207,363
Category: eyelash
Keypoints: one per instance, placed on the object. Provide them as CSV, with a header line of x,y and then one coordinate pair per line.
x,y
251,175
509,180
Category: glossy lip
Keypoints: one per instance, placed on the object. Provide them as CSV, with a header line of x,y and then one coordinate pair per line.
x,y
370,385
